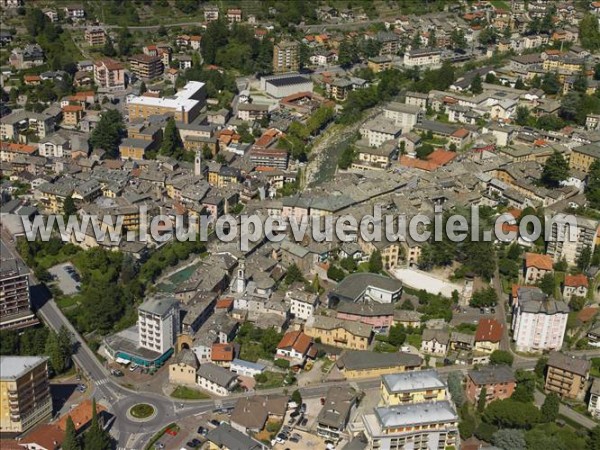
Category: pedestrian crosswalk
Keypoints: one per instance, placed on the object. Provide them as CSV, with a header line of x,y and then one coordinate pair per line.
x,y
101,382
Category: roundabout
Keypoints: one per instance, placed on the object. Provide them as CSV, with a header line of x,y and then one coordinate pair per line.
x,y
141,412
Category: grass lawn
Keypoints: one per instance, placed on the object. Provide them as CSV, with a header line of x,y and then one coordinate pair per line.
x,y
274,380
327,364
251,351
141,410
186,393
157,436
68,302
499,4
414,340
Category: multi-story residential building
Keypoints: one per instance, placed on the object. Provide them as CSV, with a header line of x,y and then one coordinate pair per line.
x,y
379,158
575,285
539,322
24,392
379,130
252,111
417,99
536,266
55,146
8,4
302,304
211,13
423,58
76,12
488,335
18,125
339,333
582,157
379,316
15,304
569,241
95,36
72,114
499,383
415,426
567,375
594,402
435,342
286,57
379,63
158,324
109,74
184,106
134,149
412,387
146,67
216,379
234,15
333,418
9,151
404,115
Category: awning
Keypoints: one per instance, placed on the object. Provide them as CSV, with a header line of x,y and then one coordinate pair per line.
x,y
122,361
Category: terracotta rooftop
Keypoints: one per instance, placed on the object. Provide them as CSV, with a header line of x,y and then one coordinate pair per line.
x,y
587,314
576,280
72,108
435,160
110,64
222,352
543,262
489,330
224,303
18,148
297,340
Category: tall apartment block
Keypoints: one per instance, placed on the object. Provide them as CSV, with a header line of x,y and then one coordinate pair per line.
x,y
24,392
158,323
286,57
15,305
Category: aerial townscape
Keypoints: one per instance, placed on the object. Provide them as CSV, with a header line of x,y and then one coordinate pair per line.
x,y
124,123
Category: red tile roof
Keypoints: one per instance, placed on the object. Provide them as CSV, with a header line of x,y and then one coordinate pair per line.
x,y
460,133
72,108
543,262
587,314
489,330
296,340
110,64
224,303
576,280
435,160
18,148
222,352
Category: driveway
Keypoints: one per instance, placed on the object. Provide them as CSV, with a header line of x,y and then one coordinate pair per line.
x,y
66,283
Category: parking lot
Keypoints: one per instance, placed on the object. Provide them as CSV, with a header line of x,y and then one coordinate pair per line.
x,y
67,278
307,432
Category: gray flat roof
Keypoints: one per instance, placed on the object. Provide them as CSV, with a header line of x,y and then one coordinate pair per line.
x,y
417,414
13,367
355,285
158,305
492,375
413,381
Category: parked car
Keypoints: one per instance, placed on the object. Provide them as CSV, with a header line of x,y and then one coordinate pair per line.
x,y
202,431
295,413
304,422
322,400
215,422
133,367
117,372
303,408
193,443
294,440
281,438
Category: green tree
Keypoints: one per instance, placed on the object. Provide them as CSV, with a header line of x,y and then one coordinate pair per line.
x,y
297,397
547,284
484,297
510,413
109,48
584,259
456,389
375,262
589,33
187,6
522,115
540,367
594,438
96,438
501,357
485,431
143,87
509,439
524,392
476,85
424,151
347,53
59,349
481,400
592,189
171,145
519,84
556,169
335,273
293,274
458,38
577,303
69,208
550,83
549,410
108,133
488,36
466,427
70,441
396,335
348,264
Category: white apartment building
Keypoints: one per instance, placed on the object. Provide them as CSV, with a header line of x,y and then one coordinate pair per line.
x,y
561,246
594,403
539,322
302,304
158,323
430,425
379,130
423,58
403,115
54,146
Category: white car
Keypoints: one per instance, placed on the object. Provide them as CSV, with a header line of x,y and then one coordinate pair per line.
x,y
133,367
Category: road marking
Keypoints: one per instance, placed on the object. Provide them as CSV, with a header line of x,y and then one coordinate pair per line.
x,y
101,382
